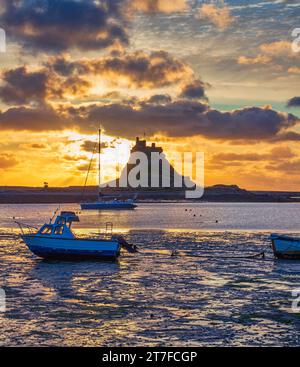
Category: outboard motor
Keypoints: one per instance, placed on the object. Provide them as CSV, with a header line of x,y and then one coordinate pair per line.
x,y
127,246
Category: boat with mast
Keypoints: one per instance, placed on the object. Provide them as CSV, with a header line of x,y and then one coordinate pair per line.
x,y
106,203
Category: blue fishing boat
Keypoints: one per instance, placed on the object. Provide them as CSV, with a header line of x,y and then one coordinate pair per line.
x,y
57,241
285,247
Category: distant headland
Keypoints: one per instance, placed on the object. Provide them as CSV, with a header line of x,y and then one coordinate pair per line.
x,y
217,193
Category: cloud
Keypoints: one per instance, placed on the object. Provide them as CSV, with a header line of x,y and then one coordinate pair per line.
x,y
294,70
278,55
292,167
137,70
7,161
194,90
277,48
20,86
86,166
294,102
159,114
41,118
219,16
92,146
160,99
287,136
62,79
276,154
38,146
260,59
157,6
183,118
58,25
72,158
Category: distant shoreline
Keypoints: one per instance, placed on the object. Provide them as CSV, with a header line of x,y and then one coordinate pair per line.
x,y
218,193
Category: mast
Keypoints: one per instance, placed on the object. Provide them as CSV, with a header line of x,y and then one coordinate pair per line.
x,y
99,167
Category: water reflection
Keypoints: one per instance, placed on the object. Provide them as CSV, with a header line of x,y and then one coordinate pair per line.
x,y
59,277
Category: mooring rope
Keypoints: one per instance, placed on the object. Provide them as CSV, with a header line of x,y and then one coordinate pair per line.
x,y
181,253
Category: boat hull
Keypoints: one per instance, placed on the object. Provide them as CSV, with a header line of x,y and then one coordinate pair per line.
x,y
285,247
72,249
107,206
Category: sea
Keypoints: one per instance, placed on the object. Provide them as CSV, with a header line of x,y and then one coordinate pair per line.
x,y
192,283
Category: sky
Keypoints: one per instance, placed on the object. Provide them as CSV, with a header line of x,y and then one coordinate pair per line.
x,y
219,77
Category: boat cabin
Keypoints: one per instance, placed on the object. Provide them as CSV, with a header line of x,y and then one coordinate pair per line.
x,y
61,227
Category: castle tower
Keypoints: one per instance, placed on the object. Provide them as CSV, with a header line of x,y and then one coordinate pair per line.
x,y
158,171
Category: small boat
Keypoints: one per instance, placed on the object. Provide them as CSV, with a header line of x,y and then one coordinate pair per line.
x,y
104,202
285,247
57,241
114,204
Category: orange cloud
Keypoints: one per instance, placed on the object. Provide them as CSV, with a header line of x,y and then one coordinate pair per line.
x,y
219,16
158,6
137,70
279,55
294,70
7,161
260,59
277,48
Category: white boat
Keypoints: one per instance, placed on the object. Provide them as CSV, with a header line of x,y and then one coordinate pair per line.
x,y
57,241
285,247
105,203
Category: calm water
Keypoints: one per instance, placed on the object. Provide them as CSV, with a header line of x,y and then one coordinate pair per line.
x,y
202,297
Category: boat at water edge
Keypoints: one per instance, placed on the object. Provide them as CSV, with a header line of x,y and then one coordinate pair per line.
x,y
115,204
57,241
285,247
105,203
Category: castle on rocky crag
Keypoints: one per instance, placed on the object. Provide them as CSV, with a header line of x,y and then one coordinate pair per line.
x,y
159,170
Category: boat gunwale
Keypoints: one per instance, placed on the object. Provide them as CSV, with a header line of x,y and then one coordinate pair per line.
x,y
285,238
69,239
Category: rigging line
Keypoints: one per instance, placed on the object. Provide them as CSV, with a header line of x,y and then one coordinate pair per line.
x,y
87,175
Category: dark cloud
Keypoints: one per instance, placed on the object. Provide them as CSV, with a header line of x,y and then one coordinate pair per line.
x,y
294,102
38,146
252,123
72,158
41,118
139,69
88,146
20,86
92,146
160,99
287,136
194,90
179,118
188,118
57,25
86,166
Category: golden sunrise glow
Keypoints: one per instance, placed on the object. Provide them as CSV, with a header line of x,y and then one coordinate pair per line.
x,y
186,75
